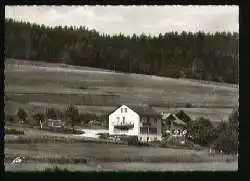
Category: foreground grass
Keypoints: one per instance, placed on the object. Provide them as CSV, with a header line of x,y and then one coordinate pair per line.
x,y
192,158
56,169
85,151
123,166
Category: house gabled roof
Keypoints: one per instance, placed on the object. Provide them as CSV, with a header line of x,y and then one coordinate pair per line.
x,y
179,122
142,110
182,116
176,119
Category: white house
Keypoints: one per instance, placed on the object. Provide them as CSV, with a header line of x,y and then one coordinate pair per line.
x,y
141,121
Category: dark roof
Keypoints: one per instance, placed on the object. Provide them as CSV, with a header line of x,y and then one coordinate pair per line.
x,y
179,122
142,110
176,120
182,116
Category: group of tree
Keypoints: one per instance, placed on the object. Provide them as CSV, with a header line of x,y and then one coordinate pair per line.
x,y
198,55
200,131
228,140
71,116
224,137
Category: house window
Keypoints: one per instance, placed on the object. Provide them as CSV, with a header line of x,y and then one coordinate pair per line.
x,y
121,110
152,130
123,121
125,109
143,130
118,118
143,120
140,138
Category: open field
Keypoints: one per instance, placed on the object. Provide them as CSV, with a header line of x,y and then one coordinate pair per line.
x,y
33,85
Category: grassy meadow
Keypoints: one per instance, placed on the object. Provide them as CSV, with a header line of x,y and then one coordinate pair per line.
x,y
100,152
36,85
76,153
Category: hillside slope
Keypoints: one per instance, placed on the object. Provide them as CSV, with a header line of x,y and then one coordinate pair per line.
x,y
42,84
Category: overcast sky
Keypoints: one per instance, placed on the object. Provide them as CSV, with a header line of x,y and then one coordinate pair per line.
x,y
132,19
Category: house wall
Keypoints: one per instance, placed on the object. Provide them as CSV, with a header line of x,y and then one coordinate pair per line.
x,y
154,123
130,117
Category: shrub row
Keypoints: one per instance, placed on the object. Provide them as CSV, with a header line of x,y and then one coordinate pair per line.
x,y
56,169
64,130
13,131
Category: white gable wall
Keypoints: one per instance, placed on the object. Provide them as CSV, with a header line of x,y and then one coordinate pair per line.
x,y
130,117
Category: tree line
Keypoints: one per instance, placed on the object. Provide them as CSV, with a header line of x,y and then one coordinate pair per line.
x,y
224,137
200,55
70,115
199,131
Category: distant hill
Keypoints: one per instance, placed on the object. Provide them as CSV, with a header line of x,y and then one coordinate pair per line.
x,y
202,56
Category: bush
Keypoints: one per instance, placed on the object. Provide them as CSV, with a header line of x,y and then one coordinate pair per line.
x,y
174,142
228,139
51,113
188,105
103,136
227,142
133,140
65,130
22,115
37,117
222,127
13,131
201,131
72,115
155,143
56,169
9,118
233,119
89,117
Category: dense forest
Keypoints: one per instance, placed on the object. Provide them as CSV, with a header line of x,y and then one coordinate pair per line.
x,y
198,55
